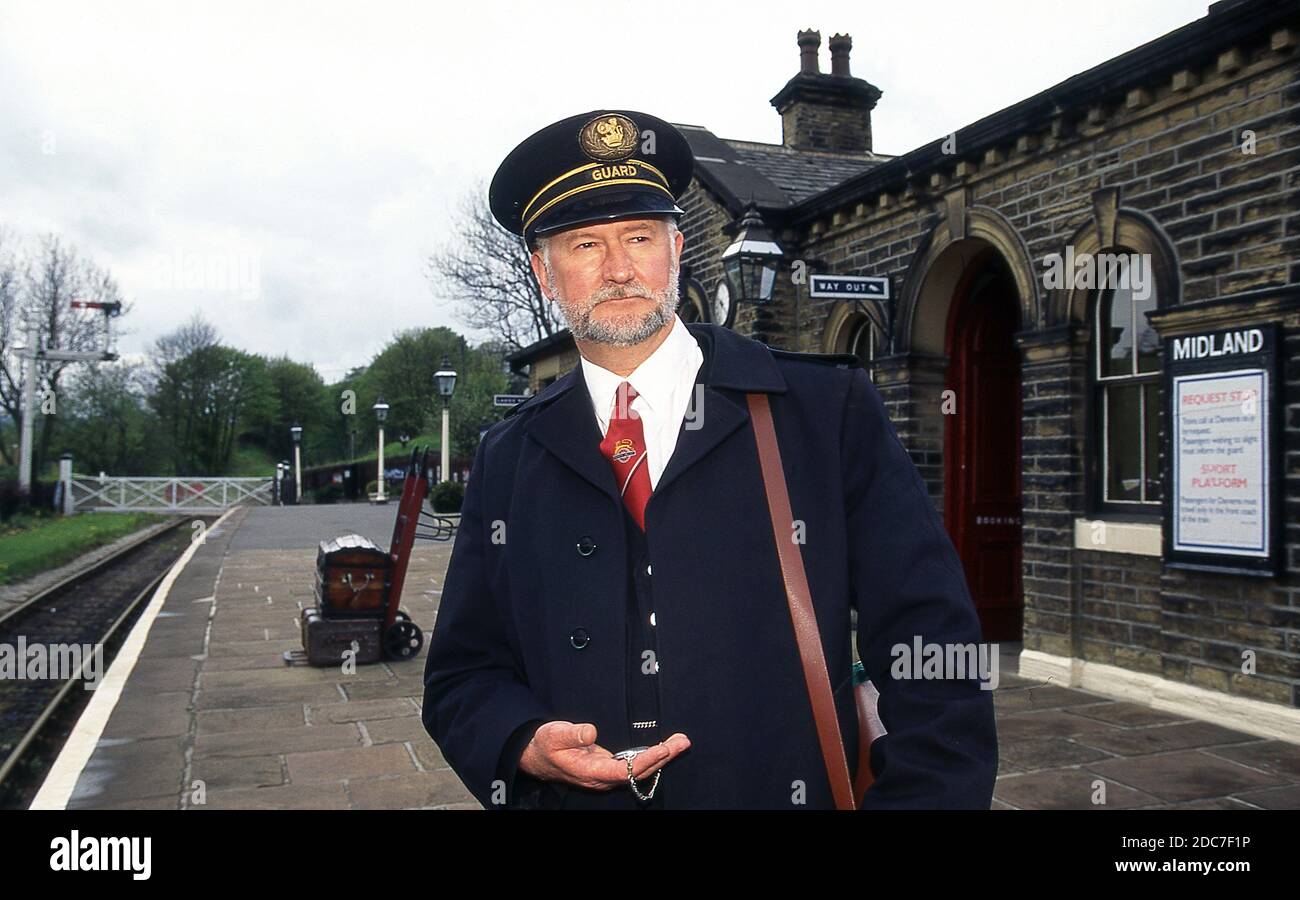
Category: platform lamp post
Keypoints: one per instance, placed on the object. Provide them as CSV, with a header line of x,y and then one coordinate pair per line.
x,y
751,262
446,379
286,467
381,413
296,431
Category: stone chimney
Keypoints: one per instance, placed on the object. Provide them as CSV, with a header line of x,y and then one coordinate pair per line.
x,y
841,45
826,112
809,43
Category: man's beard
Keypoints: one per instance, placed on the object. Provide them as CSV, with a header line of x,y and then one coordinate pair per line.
x,y
624,330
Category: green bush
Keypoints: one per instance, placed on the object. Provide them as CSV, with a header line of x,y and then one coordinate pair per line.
x,y
38,502
447,496
330,493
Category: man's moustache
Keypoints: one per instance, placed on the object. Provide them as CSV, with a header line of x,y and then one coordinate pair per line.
x,y
643,296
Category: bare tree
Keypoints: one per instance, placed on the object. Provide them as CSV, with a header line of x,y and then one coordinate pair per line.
x,y
10,364
164,384
37,292
56,277
484,270
196,334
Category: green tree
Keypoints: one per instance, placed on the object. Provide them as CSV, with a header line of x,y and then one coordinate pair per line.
x,y
299,396
402,374
107,424
205,400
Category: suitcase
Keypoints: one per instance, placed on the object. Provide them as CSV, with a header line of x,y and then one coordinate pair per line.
x,y
353,577
328,640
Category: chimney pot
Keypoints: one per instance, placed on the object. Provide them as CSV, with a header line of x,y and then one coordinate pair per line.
x,y
841,45
809,43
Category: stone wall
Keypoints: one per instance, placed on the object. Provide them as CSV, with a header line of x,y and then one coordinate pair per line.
x,y
1200,167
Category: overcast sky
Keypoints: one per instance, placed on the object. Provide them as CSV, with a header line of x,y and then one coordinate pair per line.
x,y
286,168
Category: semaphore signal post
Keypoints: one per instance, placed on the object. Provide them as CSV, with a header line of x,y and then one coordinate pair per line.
x,y
32,353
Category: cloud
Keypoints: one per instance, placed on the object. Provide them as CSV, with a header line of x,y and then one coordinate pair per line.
x,y
285,168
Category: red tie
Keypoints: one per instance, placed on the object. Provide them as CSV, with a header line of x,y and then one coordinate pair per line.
x,y
624,447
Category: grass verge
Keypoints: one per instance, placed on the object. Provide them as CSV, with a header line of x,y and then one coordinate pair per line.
x,y
31,544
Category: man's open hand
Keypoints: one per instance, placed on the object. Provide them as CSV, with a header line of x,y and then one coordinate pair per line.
x,y
565,751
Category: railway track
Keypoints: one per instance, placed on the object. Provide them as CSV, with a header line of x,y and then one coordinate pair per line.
x,y
91,608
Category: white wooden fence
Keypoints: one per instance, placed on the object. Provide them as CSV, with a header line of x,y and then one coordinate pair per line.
x,y
106,493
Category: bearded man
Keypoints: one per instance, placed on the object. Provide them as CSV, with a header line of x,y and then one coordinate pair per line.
x,y
614,630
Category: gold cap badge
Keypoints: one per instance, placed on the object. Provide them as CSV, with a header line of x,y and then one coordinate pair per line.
x,y
608,137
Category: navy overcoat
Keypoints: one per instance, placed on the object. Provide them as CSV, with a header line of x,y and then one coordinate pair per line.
x,y
518,587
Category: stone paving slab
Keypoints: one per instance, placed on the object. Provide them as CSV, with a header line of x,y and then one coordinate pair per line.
x,y
1270,756
1274,798
211,703
213,713
1185,775
303,739
1047,753
1157,738
1066,788
332,795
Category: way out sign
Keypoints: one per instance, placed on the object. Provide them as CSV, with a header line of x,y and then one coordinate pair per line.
x,y
863,287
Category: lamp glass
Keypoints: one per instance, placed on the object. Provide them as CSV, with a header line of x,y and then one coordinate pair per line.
x,y
731,265
767,280
446,379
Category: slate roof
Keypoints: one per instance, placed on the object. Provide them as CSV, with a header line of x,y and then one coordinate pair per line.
x,y
775,176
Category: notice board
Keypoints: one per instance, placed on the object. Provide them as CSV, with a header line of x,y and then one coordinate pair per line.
x,y
1222,505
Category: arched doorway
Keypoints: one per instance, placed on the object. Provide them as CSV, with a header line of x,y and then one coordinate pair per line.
x,y
982,442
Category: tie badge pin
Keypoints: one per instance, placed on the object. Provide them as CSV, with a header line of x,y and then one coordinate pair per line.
x,y
624,450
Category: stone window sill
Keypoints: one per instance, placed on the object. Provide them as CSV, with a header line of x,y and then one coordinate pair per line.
x,y
1139,538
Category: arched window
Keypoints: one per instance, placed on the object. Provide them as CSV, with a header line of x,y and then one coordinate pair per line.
x,y
850,328
694,303
1125,373
864,342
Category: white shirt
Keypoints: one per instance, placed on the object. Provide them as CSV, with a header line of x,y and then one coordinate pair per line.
x,y
663,382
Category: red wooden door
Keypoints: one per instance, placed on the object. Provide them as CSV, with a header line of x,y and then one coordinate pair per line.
x,y
982,449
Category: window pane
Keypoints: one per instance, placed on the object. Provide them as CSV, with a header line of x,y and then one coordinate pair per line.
x,y
1116,337
1121,419
864,344
860,344
1152,415
1148,341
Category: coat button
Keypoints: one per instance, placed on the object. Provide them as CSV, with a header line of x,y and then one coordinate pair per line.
x,y
579,638
586,546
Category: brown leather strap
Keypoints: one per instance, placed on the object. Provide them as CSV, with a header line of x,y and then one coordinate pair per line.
x,y
799,596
